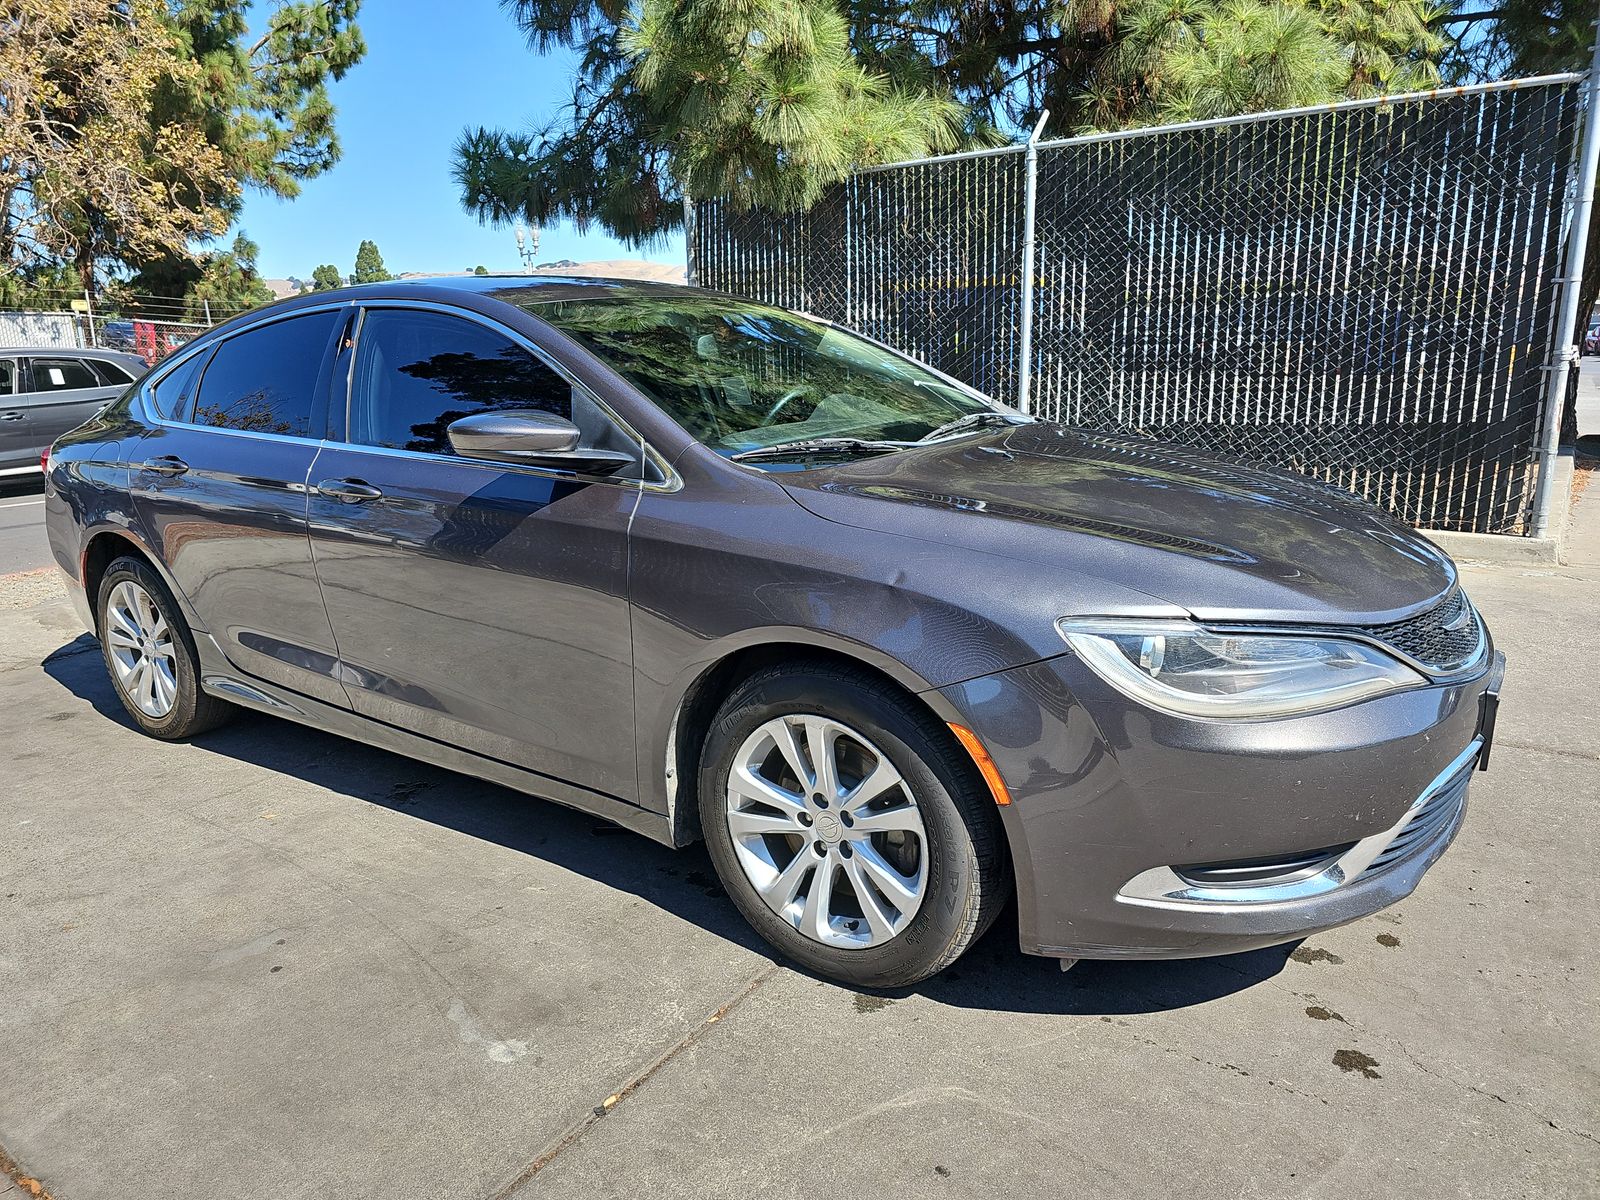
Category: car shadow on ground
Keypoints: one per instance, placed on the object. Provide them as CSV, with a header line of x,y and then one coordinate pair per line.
x,y
992,975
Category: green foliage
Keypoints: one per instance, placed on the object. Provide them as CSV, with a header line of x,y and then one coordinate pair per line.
x,y
263,101
766,102
229,282
762,100
128,131
369,265
1505,39
480,270
325,278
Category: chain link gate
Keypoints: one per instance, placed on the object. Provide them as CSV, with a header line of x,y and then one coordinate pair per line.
x,y
1366,292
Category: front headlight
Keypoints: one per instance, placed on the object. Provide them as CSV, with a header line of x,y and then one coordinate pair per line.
x,y
1193,672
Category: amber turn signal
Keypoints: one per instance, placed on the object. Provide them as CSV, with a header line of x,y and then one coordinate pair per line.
x,y
985,764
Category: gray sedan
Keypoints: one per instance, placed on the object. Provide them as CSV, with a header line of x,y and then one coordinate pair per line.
x,y
714,570
47,390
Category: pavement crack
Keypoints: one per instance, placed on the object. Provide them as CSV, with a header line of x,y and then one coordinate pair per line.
x,y
578,1128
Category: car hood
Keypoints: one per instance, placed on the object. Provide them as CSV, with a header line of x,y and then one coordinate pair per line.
x,y
1223,541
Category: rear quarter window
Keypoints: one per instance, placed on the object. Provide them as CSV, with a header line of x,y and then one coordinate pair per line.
x,y
172,396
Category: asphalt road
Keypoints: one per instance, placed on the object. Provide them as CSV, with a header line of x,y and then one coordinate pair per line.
x,y
22,541
272,963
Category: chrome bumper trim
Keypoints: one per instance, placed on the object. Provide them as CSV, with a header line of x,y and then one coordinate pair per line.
x,y
1161,887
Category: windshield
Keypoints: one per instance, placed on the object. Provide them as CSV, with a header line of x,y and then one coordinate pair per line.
x,y
742,376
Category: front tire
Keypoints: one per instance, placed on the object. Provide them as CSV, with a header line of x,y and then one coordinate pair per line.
x,y
848,827
149,654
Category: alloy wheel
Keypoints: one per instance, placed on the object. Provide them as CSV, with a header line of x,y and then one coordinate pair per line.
x,y
142,653
827,831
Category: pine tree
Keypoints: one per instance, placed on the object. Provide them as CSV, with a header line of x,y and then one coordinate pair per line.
x,y
369,265
767,101
326,277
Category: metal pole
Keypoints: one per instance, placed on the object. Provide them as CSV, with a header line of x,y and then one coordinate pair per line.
x,y
1562,348
690,275
1025,332
206,304
88,309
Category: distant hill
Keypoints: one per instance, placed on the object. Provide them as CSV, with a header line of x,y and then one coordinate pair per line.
x,y
615,268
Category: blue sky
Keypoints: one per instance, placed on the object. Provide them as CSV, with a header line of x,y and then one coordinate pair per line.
x,y
430,70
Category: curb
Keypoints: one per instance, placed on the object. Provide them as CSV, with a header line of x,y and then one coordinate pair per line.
x,y
1498,548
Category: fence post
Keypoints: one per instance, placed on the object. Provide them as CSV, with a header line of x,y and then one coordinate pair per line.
x,y
1562,348
1025,330
690,275
88,316
206,304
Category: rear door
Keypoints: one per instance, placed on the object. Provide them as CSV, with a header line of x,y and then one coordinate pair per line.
x,y
220,484
482,604
64,393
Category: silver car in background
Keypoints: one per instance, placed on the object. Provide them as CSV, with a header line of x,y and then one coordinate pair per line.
x,y
47,390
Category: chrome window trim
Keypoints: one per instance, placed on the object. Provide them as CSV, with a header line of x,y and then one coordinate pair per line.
x,y
671,480
1162,887
173,362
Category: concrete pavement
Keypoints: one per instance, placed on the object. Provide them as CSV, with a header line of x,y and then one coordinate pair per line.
x,y
274,963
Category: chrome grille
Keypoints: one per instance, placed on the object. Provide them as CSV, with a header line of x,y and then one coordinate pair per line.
x,y
1428,639
1437,813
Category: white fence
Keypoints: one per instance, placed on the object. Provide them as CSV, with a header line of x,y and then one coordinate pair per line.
x,y
41,329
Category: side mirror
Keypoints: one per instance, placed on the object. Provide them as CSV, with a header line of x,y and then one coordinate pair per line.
x,y
531,437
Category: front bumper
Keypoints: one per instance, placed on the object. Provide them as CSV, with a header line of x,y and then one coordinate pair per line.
x,y
1110,799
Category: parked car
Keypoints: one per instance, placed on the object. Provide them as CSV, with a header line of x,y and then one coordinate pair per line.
x,y
710,569
1591,340
47,390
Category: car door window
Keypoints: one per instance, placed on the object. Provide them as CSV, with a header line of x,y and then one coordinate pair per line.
x,y
62,375
416,372
8,376
265,380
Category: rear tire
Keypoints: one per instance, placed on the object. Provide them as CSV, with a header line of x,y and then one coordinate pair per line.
x,y
149,654
898,826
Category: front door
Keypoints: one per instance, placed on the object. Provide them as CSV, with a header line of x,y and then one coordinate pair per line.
x,y
477,603
220,483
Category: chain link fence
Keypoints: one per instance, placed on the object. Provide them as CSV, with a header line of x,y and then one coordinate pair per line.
x,y
1364,292
150,338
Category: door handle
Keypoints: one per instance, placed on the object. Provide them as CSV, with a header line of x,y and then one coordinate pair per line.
x,y
11,416
165,464
350,491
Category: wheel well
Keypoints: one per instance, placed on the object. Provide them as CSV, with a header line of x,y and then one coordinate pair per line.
x,y
103,550
705,696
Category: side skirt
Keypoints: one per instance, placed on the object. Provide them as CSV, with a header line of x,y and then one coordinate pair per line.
x,y
277,702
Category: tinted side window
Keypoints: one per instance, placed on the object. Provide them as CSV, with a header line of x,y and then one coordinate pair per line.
x,y
416,372
265,381
8,376
174,391
111,374
62,375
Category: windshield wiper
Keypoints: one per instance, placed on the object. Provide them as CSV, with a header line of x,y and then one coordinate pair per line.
x,y
825,445
976,420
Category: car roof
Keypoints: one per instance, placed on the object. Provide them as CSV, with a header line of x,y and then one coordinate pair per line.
x,y
70,351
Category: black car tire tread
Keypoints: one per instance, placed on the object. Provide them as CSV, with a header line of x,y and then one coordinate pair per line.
x,y
969,878
194,711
